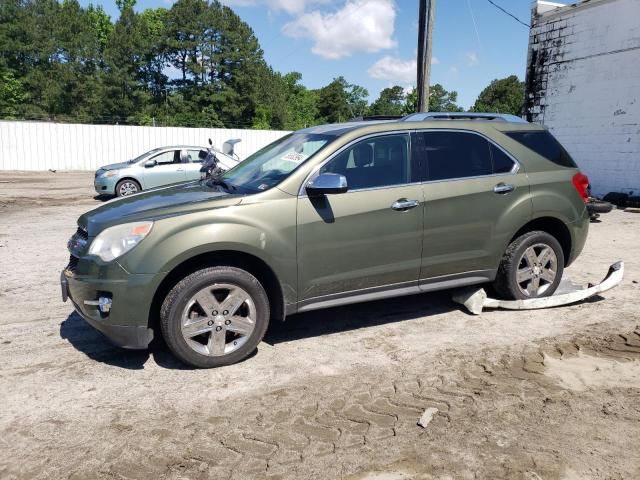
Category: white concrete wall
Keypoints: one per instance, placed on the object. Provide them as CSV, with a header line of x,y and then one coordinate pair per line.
x,y
43,146
583,83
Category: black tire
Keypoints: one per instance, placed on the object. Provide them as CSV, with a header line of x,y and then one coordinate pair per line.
x,y
127,181
175,303
506,284
598,206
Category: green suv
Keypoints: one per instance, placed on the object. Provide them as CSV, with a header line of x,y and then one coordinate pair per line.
x,y
327,216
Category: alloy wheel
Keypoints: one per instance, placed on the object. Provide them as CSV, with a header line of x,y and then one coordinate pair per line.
x,y
128,188
218,319
537,270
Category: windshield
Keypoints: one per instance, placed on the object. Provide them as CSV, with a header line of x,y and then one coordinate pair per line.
x,y
269,166
140,157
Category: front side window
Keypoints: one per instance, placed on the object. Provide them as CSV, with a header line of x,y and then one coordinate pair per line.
x,y
167,158
375,162
269,166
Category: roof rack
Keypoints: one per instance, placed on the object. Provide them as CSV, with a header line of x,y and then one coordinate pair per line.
x,y
374,118
497,117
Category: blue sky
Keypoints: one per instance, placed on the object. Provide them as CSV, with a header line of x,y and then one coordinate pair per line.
x,y
373,42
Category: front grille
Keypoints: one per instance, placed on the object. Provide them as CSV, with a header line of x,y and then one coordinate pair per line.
x,y
73,264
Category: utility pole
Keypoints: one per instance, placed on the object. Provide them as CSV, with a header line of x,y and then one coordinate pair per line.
x,y
425,33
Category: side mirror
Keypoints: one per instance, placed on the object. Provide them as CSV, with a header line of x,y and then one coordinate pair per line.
x,y
326,184
150,164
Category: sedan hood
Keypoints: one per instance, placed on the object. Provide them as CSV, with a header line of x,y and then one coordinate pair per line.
x,y
156,204
116,166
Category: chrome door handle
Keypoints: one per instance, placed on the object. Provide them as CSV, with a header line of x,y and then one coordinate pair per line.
x,y
403,204
503,188
180,170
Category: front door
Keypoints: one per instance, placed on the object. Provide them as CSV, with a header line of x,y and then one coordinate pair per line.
x,y
167,169
473,194
371,236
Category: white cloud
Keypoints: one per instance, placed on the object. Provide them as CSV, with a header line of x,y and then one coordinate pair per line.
x,y
359,26
396,70
288,6
472,59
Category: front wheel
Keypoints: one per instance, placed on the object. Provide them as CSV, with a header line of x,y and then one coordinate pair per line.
x,y
215,316
127,187
531,267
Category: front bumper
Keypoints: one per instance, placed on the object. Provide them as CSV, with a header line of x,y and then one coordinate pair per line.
x,y
126,324
105,185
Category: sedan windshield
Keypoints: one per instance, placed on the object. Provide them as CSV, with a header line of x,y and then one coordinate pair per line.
x,y
145,154
269,166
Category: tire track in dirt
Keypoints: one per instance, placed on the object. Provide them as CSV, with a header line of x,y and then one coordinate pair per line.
x,y
376,414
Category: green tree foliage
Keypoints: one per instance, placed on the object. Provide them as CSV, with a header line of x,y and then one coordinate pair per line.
x,y
11,94
505,95
340,101
397,101
196,64
391,101
440,100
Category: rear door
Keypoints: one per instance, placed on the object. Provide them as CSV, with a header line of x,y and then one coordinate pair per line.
x,y
363,239
194,163
475,195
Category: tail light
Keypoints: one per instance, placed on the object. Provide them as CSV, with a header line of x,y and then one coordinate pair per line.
x,y
581,184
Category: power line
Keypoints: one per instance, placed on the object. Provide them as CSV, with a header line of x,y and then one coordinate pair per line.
x,y
510,14
475,25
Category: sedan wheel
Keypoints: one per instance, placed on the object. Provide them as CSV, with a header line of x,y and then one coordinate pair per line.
x,y
127,187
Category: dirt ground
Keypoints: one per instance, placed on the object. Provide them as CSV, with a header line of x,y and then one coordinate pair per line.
x,y
552,394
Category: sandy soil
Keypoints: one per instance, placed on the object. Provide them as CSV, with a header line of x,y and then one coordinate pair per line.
x,y
549,394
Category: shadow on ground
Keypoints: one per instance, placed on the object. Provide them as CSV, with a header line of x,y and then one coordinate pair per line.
x,y
359,315
94,345
103,198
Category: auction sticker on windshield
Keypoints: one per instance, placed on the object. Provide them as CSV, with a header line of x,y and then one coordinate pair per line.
x,y
294,157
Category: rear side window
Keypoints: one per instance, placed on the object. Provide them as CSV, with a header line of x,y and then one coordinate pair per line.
x,y
452,155
545,145
501,161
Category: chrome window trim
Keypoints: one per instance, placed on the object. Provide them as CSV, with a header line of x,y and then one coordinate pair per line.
x,y
514,170
302,191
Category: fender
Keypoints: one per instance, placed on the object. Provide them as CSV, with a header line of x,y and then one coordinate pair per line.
x,y
266,232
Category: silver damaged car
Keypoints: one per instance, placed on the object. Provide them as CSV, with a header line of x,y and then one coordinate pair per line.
x,y
158,167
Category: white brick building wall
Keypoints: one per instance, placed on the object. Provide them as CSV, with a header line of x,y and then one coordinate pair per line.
x,y
583,83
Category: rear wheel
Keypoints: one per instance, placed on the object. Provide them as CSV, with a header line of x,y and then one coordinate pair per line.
x,y
127,187
531,267
215,316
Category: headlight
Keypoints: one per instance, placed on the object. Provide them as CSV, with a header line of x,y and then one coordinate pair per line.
x,y
111,173
119,239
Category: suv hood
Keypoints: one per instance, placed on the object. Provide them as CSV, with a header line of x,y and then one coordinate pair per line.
x,y
155,204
